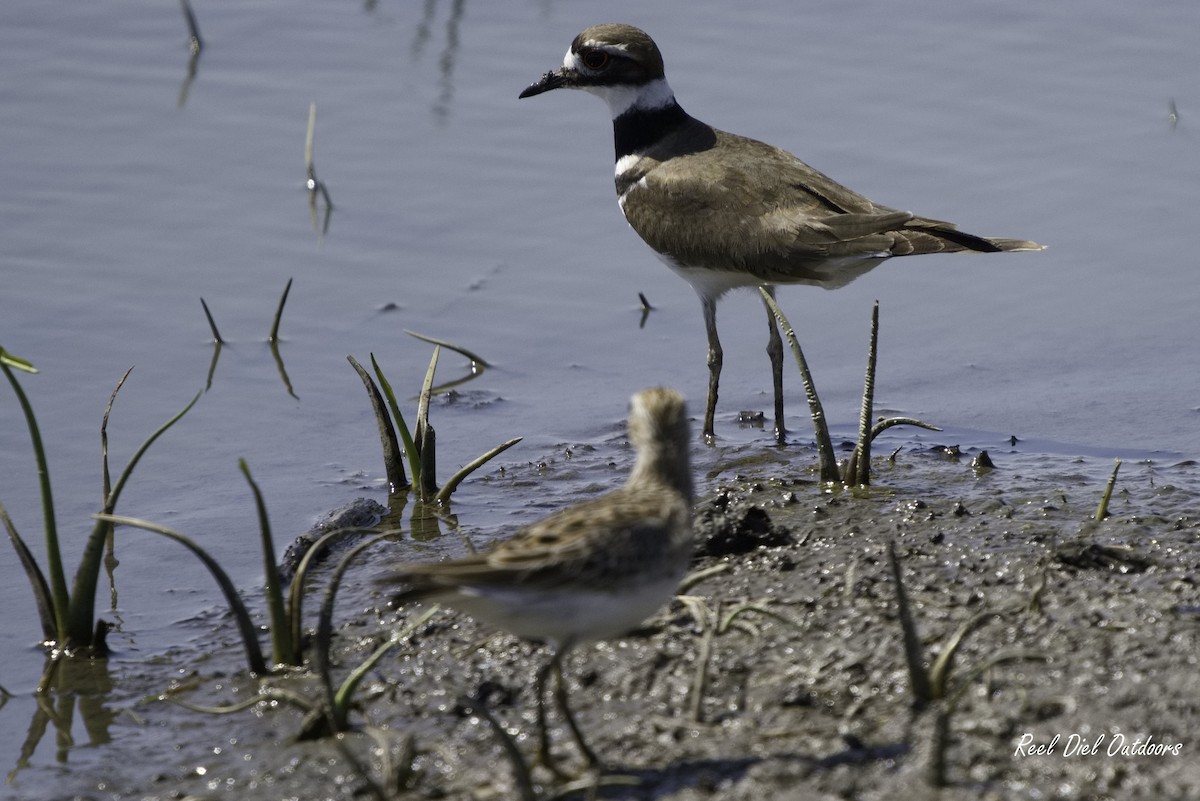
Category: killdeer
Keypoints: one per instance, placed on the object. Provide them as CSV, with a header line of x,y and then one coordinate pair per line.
x,y
588,572
724,211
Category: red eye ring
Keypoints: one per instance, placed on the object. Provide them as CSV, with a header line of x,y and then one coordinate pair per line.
x,y
595,59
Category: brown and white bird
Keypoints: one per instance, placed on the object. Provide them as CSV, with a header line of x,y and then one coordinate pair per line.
x,y
724,211
588,572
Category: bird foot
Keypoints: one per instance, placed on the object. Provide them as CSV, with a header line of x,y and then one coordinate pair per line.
x,y
591,769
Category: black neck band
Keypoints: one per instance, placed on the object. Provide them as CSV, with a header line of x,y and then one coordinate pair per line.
x,y
639,128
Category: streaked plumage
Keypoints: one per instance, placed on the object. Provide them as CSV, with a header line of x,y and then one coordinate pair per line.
x,y
591,571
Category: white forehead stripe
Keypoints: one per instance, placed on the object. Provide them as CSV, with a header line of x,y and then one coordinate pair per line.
x,y
571,60
607,45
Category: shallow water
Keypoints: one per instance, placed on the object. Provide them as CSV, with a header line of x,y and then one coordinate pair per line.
x,y
130,194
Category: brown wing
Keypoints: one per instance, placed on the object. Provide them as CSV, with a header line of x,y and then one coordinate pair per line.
x,y
753,207
566,546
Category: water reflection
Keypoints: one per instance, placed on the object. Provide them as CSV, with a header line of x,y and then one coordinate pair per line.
x,y
315,185
283,375
449,54
646,309
424,520
195,45
69,682
272,340
320,223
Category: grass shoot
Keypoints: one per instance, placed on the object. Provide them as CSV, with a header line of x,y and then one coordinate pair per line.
x,y
67,615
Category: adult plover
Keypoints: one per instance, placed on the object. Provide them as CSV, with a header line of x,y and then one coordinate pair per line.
x,y
725,211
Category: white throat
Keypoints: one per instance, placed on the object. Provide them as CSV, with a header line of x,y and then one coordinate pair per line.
x,y
623,97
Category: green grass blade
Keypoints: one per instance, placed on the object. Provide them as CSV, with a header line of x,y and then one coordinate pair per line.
x,y
212,324
752,608
16,362
406,437
392,462
443,495
274,335
862,473
1102,509
696,690
943,666
296,592
826,460
410,447
283,649
917,674
993,661
345,693
236,606
58,578
83,595
426,391
884,425
37,580
449,345
426,436
324,639
145,446
240,706
105,477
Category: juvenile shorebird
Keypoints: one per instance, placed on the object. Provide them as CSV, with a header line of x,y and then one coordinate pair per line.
x,y
588,572
724,211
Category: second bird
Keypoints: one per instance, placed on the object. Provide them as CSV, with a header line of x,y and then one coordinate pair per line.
x,y
724,211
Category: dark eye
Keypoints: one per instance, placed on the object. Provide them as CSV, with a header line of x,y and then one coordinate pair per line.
x,y
595,59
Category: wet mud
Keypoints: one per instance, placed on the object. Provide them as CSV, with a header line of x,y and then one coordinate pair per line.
x,y
779,672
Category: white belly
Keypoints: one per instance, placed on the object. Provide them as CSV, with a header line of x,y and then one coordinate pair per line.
x,y
577,615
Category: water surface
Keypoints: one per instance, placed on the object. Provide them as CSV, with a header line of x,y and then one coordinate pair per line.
x,y
130,193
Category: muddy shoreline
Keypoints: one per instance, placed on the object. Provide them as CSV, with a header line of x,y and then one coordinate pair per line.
x,y
783,673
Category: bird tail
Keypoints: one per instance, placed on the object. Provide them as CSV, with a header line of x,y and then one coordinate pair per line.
x,y
923,235
1014,244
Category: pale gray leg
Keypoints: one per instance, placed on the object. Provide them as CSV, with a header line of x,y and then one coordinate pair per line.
x,y
715,357
560,697
543,756
775,352
553,668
